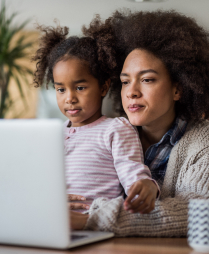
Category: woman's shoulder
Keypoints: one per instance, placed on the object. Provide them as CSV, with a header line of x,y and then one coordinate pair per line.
x,y
198,131
188,161
194,140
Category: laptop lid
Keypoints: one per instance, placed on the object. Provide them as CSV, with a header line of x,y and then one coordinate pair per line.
x,y
32,184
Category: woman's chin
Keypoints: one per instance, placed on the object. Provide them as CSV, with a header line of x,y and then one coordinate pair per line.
x,y
135,121
137,118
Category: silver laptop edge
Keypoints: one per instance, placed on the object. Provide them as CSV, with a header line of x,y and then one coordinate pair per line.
x,y
34,210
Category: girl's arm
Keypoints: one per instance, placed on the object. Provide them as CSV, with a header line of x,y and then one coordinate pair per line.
x,y
133,174
78,220
127,153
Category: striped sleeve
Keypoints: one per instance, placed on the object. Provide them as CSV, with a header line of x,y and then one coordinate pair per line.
x,y
127,153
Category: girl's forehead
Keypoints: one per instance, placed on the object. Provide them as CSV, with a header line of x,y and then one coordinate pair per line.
x,y
71,71
68,59
71,64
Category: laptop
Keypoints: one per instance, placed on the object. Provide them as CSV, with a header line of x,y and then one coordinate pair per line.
x,y
33,200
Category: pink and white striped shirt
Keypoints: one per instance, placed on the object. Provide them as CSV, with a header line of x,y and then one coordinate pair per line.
x,y
103,158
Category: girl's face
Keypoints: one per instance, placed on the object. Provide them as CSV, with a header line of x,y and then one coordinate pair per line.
x,y
148,95
78,93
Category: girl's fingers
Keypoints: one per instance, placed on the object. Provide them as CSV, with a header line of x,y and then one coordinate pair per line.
x,y
75,206
151,207
138,206
139,201
73,197
134,190
147,206
140,198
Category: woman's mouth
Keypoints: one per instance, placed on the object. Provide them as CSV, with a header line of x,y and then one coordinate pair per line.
x,y
134,107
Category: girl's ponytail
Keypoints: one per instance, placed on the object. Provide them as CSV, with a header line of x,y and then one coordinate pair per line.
x,y
51,38
110,57
102,33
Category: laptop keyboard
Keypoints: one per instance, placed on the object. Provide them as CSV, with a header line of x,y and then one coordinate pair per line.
x,y
76,237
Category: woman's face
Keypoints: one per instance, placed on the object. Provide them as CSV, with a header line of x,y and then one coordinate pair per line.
x,y
148,95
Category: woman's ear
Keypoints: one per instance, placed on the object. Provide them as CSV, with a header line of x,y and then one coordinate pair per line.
x,y
105,87
177,92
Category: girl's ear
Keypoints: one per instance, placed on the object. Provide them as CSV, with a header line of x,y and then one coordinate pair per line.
x,y
105,87
177,92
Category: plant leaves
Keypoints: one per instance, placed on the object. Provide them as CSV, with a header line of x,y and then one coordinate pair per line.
x,y
10,52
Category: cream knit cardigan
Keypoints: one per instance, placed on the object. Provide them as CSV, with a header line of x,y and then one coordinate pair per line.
x,y
187,177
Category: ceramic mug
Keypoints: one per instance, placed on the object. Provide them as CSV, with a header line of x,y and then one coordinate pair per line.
x,y
198,225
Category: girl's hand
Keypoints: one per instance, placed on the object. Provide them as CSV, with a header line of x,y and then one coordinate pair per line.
x,y
78,220
145,202
77,205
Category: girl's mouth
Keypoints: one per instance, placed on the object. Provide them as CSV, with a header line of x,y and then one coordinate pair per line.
x,y
73,111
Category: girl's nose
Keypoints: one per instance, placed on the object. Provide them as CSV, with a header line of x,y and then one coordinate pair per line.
x,y
70,98
134,91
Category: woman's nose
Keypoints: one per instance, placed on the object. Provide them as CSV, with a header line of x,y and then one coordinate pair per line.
x,y
134,91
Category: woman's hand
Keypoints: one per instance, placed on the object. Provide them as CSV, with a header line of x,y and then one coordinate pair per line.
x,y
77,205
78,220
146,190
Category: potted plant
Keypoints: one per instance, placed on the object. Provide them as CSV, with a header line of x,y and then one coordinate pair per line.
x,y
14,47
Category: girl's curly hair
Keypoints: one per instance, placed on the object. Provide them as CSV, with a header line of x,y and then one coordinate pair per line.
x,y
55,46
181,44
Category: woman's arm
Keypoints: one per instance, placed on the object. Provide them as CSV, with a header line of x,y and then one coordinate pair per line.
x,y
167,220
187,177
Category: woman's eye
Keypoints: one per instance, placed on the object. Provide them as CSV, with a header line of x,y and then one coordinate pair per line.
x,y
124,83
80,88
147,80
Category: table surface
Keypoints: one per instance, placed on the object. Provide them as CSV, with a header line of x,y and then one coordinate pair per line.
x,y
132,245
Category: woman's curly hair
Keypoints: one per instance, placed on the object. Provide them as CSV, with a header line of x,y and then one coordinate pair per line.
x,y
181,44
55,46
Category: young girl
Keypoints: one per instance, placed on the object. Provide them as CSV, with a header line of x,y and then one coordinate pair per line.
x,y
103,155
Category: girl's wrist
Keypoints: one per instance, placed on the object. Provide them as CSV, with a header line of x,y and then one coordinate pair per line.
x,y
84,220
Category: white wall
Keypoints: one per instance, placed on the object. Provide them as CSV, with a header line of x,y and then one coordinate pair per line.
x,y
75,13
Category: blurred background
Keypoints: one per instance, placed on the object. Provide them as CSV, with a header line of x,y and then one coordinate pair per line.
x,y
19,40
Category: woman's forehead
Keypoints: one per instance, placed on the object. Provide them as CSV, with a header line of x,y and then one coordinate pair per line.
x,y
141,60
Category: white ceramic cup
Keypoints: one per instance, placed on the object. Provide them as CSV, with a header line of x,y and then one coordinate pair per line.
x,y
198,225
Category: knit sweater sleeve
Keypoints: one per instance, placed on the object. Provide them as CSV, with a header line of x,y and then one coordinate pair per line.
x,y
167,220
187,178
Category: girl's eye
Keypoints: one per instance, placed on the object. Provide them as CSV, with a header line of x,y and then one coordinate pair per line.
x,y
61,90
80,88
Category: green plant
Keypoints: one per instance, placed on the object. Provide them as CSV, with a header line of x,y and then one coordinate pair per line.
x,y
14,47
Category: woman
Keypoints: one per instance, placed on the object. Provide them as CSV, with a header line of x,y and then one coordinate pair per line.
x,y
165,93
